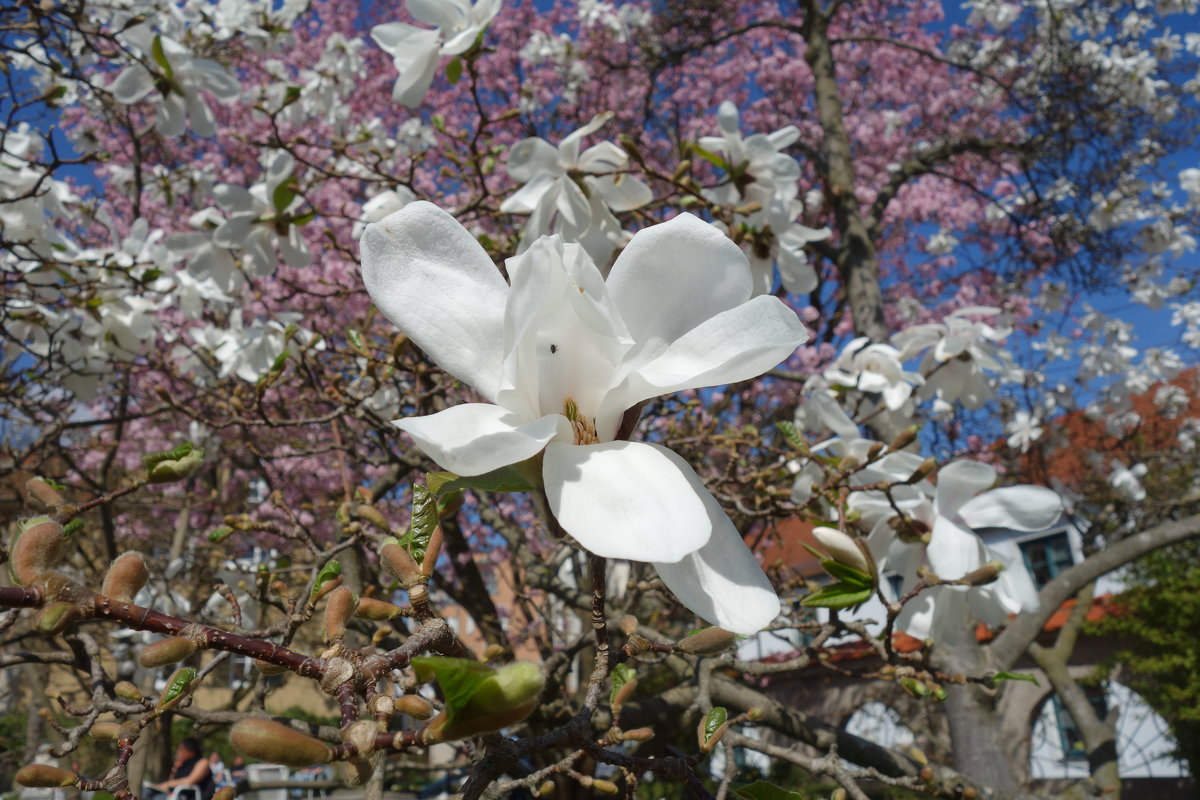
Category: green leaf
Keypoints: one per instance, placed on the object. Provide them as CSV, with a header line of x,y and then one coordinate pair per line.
x,y
713,722
439,123
454,70
53,484
505,479
791,435
1015,676
303,219
355,339
178,685
424,520
160,57
150,274
331,570
710,157
460,678
280,360
283,196
621,675
220,534
837,595
174,454
761,790
847,574
74,526
291,95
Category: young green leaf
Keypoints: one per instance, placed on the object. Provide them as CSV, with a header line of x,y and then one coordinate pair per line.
x,y
713,722
160,57
761,790
791,435
621,675
837,595
1015,676
328,572
454,70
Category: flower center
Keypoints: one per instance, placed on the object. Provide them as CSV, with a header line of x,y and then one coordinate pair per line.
x,y
584,427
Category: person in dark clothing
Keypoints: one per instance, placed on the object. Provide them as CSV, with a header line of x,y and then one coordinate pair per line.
x,y
190,769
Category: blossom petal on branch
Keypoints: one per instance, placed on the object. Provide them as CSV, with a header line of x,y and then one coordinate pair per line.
x,y
430,277
631,500
531,157
474,438
722,581
953,550
1019,508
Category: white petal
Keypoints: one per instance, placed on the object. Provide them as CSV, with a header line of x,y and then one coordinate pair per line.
x,y
208,74
568,148
674,276
602,157
474,438
622,192
953,550
631,500
530,157
933,612
132,84
430,277
734,345
172,115
441,13
200,117
526,199
959,482
1018,508
722,581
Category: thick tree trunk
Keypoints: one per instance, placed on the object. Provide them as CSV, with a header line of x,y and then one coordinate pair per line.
x,y
857,259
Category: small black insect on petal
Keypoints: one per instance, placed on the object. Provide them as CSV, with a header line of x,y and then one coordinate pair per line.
x,y
553,348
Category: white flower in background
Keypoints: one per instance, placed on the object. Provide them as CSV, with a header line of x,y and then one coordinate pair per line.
x,y
958,353
1126,481
561,355
177,79
380,206
248,351
758,172
574,193
874,368
261,218
416,51
954,550
29,200
205,259
1023,430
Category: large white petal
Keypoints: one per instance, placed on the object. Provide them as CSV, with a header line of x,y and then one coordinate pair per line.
x,y
430,277
442,13
1018,508
622,192
474,438
958,482
722,581
633,500
732,346
531,157
672,277
953,550
134,83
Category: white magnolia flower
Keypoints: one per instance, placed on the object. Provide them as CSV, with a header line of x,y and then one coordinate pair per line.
x,y
1023,430
760,173
955,550
874,368
380,206
959,352
561,355
1127,480
178,78
416,51
256,216
574,194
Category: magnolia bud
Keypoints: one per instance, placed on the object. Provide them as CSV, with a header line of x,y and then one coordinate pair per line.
x,y
984,575
638,735
905,438
843,548
125,577
628,624
604,787
271,741
875,450
166,651
374,516
127,690
707,642
105,730
225,793
44,776
624,693
927,468
37,548
432,549
399,563
414,706
545,790
43,493
376,610
177,469
337,611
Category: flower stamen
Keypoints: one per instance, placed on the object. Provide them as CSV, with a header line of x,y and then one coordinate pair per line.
x,y
584,427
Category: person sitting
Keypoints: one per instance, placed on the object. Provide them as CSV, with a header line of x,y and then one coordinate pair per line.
x,y
190,769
